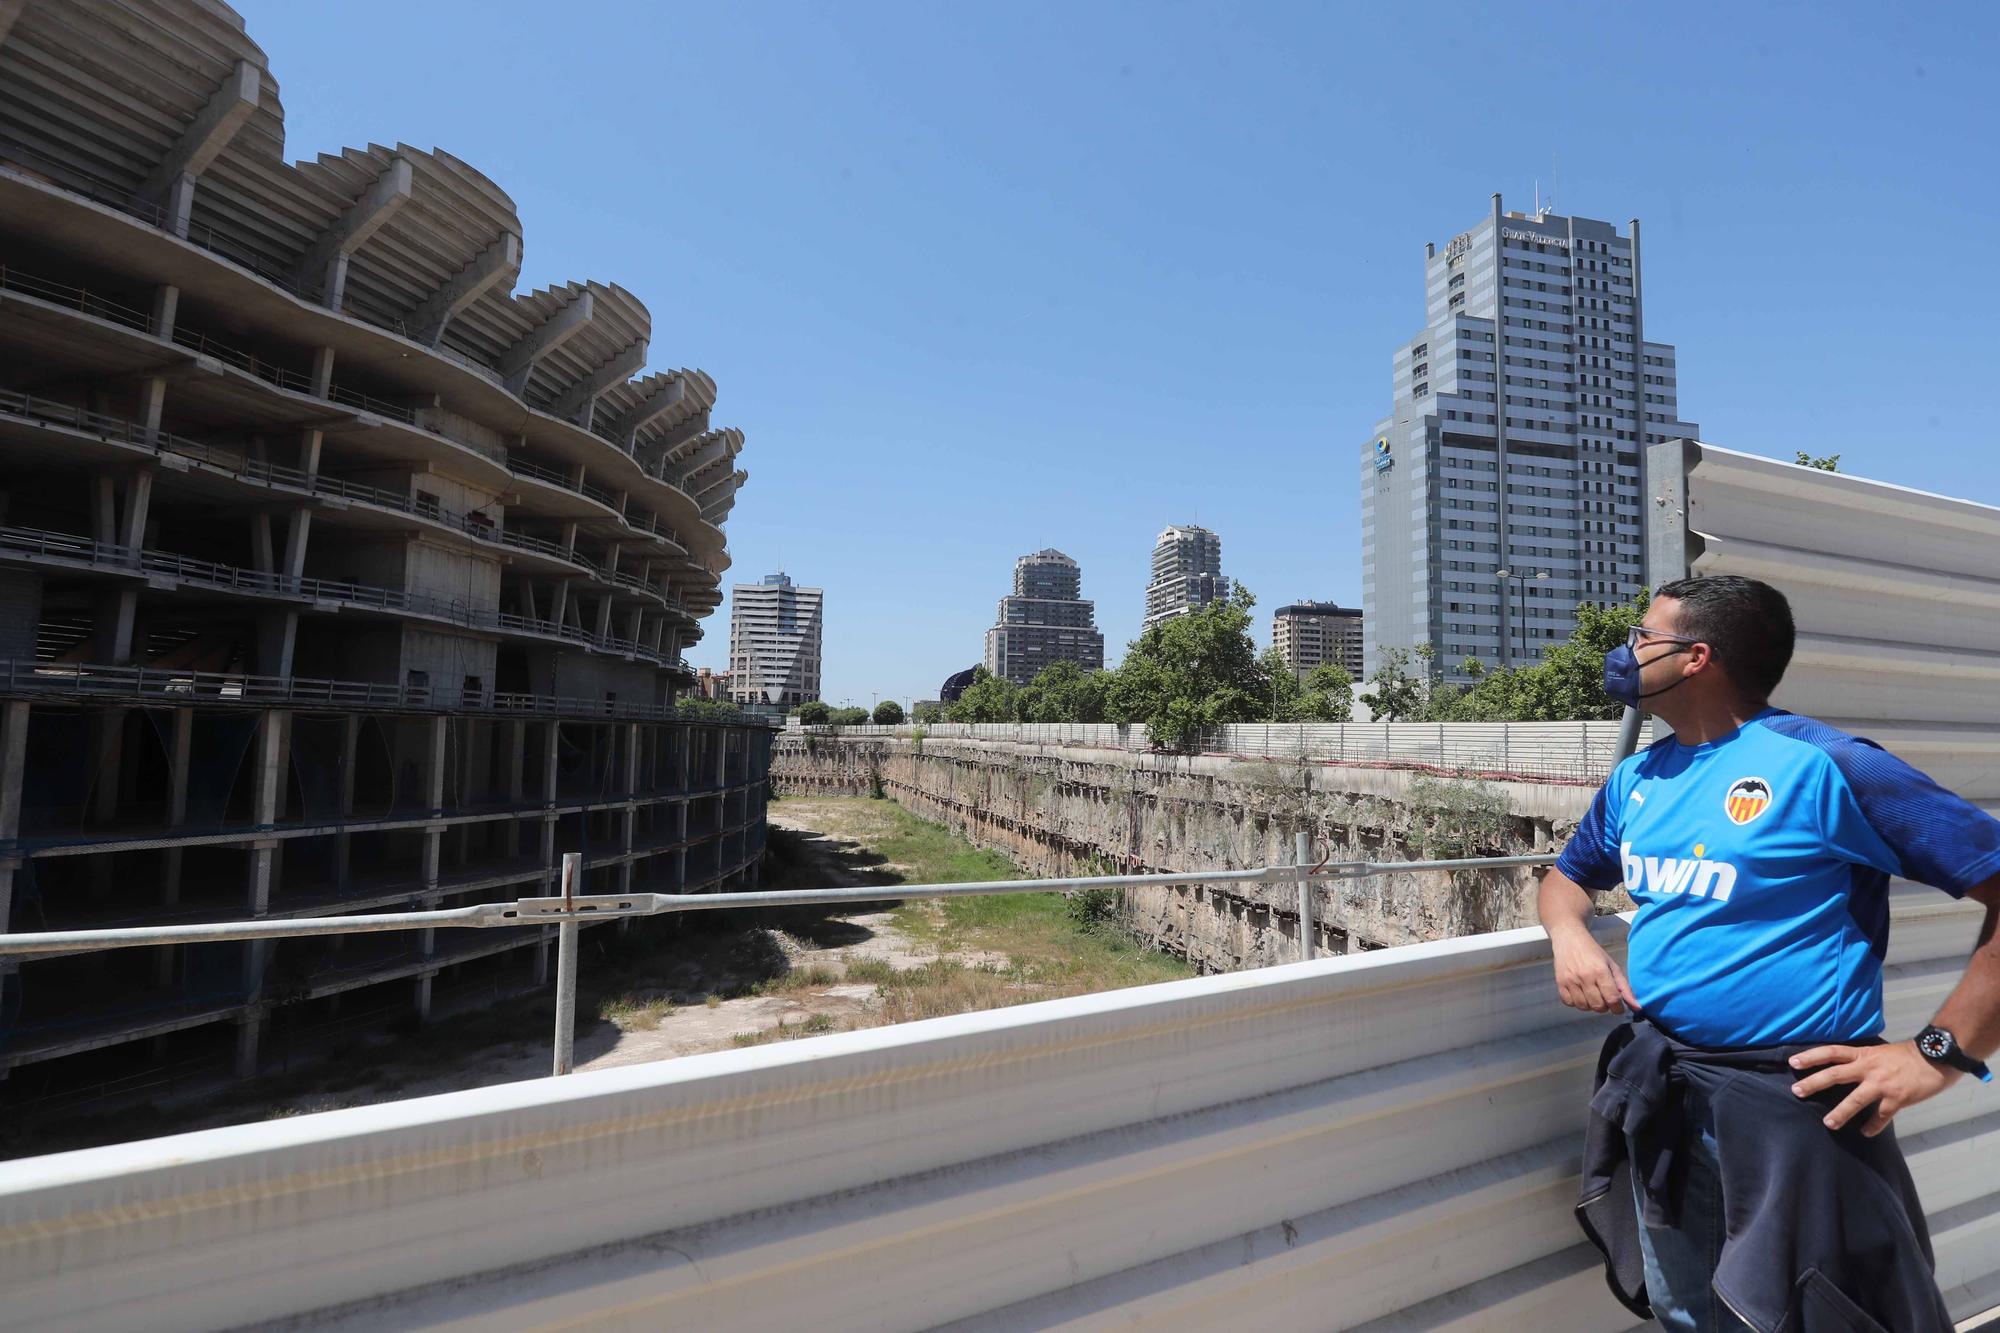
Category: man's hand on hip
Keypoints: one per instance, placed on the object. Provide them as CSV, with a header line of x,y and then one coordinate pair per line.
x,y
1586,976
1889,1077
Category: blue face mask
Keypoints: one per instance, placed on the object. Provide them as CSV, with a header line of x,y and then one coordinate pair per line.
x,y
1621,674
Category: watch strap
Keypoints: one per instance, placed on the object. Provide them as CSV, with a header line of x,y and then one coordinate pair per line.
x,y
1955,1055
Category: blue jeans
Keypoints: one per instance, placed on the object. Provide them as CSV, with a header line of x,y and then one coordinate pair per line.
x,y
1681,1260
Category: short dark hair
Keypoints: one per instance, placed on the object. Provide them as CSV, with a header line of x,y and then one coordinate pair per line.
x,y
1747,623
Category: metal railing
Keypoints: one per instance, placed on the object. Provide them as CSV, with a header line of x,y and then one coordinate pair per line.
x,y
174,685
121,430
569,910
112,556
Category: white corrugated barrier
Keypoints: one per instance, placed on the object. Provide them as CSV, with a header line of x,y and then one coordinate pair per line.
x,y
1896,593
1387,1140
1576,751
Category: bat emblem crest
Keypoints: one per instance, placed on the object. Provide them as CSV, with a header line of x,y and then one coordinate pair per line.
x,y
1747,799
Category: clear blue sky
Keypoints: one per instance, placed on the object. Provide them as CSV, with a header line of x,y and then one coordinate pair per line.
x,y
978,279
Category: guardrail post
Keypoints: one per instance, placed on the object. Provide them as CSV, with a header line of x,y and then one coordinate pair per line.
x,y
572,867
1302,857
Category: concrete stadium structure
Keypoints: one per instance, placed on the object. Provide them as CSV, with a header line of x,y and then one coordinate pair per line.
x,y
334,575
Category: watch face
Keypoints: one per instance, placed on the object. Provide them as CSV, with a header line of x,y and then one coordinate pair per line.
x,y
1935,1043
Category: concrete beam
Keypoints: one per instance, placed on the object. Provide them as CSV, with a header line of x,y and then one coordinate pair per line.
x,y
578,401
210,132
723,448
651,408
326,258
497,261
679,437
518,361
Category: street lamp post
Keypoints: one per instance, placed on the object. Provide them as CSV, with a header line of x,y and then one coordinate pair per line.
x,y
1506,632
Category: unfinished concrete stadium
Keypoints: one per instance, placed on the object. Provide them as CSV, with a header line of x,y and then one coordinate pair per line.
x,y
335,576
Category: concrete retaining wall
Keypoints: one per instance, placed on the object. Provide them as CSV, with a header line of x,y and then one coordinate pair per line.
x,y
1066,810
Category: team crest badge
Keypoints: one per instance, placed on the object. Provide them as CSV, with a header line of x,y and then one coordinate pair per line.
x,y
1747,798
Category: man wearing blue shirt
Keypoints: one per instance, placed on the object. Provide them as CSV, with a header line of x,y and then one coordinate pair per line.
x,y
1759,846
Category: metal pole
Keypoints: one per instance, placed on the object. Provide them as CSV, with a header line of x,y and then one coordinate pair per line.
x,y
572,866
1628,735
1302,857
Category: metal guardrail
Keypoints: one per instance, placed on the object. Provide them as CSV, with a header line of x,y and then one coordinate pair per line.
x,y
570,910
120,430
111,556
175,686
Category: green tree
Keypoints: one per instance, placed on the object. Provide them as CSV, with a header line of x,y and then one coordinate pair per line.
x,y
813,713
1192,672
888,713
1830,463
847,717
1399,693
989,698
1566,686
1064,692
926,712
1326,695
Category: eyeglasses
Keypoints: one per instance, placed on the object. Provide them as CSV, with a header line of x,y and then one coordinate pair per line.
x,y
1638,635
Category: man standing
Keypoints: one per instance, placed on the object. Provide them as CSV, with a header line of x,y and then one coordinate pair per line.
x,y
1740,1170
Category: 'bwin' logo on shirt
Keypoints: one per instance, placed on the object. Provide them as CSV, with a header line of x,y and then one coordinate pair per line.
x,y
1672,874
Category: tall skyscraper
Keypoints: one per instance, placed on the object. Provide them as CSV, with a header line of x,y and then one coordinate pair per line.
x,y
1044,620
1316,634
1504,487
774,641
1187,572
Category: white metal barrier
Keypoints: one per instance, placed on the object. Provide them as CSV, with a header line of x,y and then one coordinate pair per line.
x,y
1577,751
1379,1141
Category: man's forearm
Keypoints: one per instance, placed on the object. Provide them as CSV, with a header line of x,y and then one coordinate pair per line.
x,y
1972,1012
1563,905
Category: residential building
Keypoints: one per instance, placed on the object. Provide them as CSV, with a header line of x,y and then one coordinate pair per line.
x,y
1504,487
1187,573
338,576
711,684
774,642
1316,634
1045,620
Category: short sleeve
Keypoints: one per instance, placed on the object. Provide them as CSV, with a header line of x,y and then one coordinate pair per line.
x,y
1591,857
1877,810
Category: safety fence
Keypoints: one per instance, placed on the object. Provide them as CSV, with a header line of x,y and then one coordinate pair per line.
x,y
1563,751
1380,1141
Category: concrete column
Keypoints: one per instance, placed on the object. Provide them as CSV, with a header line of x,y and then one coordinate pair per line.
x,y
104,513
336,280
569,539
322,372
267,779
261,551
631,793
559,606
296,531
277,635
309,450
109,724
517,738
549,733
179,204
603,630
138,496
343,842
152,402
166,310
179,749
434,761
687,734
13,772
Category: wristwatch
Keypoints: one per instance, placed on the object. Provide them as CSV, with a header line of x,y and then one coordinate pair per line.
x,y
1940,1047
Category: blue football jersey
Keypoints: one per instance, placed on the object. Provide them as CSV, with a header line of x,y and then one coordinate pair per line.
x,y
1760,863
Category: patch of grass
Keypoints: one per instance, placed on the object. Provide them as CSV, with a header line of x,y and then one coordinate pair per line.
x,y
800,978
871,971
635,1013
712,1001
816,1024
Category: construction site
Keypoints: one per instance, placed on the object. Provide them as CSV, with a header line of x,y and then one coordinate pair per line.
x,y
336,575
